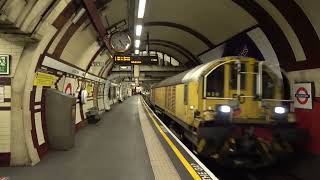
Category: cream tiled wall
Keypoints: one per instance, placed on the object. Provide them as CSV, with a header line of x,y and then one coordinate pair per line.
x,y
286,29
78,114
87,106
101,59
306,75
5,131
5,117
12,10
311,9
14,49
76,51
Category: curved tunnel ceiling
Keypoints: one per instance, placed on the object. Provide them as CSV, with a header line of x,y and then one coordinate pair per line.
x,y
177,54
181,27
215,19
191,28
178,47
199,27
183,38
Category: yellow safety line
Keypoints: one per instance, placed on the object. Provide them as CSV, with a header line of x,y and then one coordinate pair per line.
x,y
174,148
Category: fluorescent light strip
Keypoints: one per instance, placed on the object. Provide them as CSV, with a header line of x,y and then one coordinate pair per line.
x,y
138,30
137,43
142,5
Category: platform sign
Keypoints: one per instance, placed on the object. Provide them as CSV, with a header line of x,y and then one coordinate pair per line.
x,y
135,60
43,79
303,93
4,64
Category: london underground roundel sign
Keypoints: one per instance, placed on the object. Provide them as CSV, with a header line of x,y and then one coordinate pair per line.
x,y
303,95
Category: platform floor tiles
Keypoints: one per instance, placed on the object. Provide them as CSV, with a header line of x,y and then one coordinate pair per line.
x,y
113,149
160,161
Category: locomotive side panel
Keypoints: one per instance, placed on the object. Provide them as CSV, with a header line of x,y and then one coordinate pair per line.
x,y
192,101
160,97
181,107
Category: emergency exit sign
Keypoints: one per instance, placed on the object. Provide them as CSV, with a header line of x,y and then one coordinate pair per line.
x,y
4,64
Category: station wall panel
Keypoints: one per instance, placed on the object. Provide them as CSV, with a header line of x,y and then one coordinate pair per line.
x,y
309,119
39,130
5,121
87,106
311,9
5,131
286,29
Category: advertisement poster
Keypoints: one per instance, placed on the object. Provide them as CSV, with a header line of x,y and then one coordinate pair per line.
x,y
69,86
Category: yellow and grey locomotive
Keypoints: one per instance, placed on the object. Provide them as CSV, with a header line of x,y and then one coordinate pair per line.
x,y
229,109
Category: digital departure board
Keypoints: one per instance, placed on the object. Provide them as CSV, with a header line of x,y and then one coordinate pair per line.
x,y
135,60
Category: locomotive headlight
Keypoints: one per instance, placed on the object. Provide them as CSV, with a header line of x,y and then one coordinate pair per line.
x,y
223,114
279,110
225,109
280,114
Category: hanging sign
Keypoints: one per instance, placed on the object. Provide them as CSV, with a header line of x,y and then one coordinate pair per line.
x,y
4,64
303,93
135,60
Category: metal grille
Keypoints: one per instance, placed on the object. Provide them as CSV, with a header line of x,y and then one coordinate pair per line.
x,y
171,98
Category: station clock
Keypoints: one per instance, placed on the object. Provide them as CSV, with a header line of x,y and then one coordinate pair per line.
x,y
120,41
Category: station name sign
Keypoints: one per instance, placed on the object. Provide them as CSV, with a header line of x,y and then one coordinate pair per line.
x,y
135,60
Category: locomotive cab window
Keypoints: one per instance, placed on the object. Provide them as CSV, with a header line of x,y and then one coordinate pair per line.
x,y
215,83
268,86
234,76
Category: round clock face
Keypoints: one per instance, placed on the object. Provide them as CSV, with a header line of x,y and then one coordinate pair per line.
x,y
120,41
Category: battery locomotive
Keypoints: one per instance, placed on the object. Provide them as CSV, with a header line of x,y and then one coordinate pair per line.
x,y
231,110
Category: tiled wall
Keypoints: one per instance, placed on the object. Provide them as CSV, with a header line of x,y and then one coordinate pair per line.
x,y
14,49
311,9
309,119
5,115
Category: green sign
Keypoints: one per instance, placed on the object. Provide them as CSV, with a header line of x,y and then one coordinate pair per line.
x,y
4,64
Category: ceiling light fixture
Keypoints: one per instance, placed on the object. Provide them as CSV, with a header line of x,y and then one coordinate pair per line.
x,y
138,30
137,43
142,5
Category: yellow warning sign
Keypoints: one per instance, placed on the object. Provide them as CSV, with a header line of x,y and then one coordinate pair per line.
x,y
43,79
89,89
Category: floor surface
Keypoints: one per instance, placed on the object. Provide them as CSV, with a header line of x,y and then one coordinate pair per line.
x,y
113,149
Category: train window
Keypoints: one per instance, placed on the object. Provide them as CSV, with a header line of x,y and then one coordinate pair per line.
x,y
185,95
234,74
215,83
268,86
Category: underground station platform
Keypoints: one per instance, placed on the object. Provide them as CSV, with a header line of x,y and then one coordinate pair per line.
x,y
130,142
